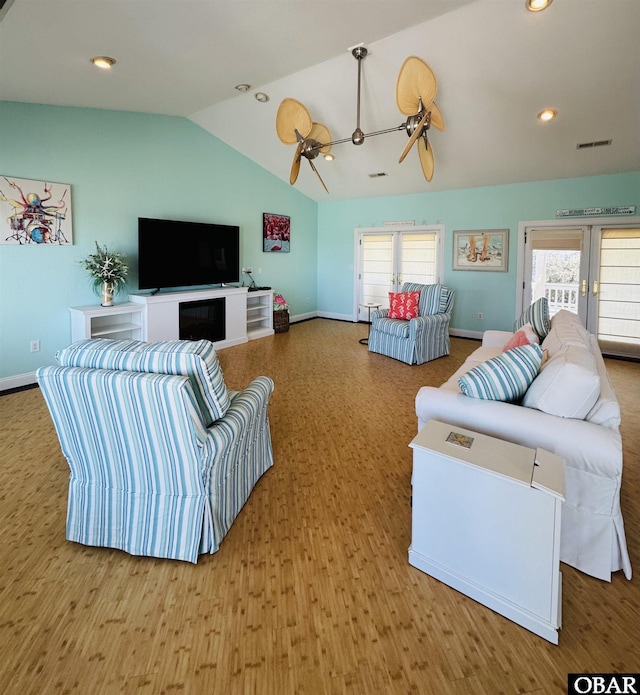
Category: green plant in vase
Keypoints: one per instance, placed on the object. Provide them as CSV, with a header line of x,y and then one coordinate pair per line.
x,y
108,271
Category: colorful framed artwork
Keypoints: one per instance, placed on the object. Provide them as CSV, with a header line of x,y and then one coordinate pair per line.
x,y
276,233
34,212
483,249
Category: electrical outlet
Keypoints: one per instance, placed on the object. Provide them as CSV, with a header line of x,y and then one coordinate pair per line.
x,y
35,346
249,270
480,316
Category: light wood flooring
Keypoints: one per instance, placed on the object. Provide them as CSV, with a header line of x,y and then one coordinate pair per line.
x,y
311,592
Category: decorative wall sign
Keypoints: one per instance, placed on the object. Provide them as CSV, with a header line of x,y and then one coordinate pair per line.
x,y
483,249
276,231
589,212
34,212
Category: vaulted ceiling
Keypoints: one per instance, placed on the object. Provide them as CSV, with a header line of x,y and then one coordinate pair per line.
x,y
497,65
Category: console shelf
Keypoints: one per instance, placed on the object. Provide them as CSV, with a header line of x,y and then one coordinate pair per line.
x,y
249,315
259,314
118,321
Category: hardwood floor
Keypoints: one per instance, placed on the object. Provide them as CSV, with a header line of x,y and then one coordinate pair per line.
x,y
311,592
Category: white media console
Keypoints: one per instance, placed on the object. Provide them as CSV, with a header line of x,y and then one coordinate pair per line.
x,y
244,315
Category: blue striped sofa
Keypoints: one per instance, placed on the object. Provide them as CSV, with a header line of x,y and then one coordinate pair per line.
x,y
162,455
417,340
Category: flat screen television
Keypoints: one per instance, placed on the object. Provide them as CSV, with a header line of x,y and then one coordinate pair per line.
x,y
186,254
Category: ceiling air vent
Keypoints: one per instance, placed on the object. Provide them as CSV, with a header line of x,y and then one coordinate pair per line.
x,y
595,143
378,175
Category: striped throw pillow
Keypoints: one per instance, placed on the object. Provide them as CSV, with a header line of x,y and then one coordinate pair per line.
x,y
429,297
538,316
196,359
505,377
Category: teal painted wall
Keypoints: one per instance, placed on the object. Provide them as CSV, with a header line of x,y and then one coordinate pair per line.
x,y
495,207
122,166
125,165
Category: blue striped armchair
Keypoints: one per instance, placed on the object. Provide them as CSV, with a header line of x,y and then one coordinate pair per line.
x,y
162,456
420,339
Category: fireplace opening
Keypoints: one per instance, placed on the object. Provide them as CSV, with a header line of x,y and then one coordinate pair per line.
x,y
204,319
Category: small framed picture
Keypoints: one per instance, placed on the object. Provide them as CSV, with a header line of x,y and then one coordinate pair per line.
x,y
460,439
276,233
482,249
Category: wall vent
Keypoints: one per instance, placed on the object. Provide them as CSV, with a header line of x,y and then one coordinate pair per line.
x,y
595,143
378,175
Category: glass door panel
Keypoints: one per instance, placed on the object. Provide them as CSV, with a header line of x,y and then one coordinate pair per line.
x,y
615,290
417,258
377,271
593,271
386,259
557,268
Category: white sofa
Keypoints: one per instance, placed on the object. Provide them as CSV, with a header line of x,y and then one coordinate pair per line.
x,y
572,382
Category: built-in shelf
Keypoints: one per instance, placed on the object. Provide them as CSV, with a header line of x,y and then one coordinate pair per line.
x,y
117,321
259,314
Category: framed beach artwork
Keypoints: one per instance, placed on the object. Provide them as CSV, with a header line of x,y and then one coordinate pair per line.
x,y
483,249
34,212
276,233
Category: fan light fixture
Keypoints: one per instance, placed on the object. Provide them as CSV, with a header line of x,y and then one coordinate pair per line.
x,y
416,89
537,5
103,62
547,115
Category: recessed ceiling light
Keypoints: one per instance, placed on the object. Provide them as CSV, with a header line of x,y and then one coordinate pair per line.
x,y
547,115
244,87
329,157
262,97
537,5
103,62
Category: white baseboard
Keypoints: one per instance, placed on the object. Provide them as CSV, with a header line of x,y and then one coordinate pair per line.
x,y
336,317
303,317
15,382
462,333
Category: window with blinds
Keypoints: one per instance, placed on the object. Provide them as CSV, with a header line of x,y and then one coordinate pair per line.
x,y
388,260
619,289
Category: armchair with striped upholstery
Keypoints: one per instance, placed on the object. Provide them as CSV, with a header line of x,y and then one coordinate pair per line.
x,y
420,339
162,456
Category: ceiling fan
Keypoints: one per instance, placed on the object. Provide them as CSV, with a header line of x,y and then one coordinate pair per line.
x,y
416,90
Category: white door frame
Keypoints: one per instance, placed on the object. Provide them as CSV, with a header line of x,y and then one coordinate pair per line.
x,y
561,223
437,229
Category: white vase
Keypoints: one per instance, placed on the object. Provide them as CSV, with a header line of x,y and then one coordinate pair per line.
x,y
107,294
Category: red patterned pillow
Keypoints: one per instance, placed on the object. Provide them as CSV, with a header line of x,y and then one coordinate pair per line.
x,y
524,336
404,305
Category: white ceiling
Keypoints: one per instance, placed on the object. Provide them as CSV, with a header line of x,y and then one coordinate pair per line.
x,y
497,67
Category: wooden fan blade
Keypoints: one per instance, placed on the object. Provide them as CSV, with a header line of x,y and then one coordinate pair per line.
x,y
295,167
321,134
437,121
413,138
427,161
292,116
416,79
313,166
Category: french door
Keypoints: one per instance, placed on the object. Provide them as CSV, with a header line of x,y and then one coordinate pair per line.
x,y
387,257
592,270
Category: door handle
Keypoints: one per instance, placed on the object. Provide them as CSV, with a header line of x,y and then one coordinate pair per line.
x,y
596,287
583,290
